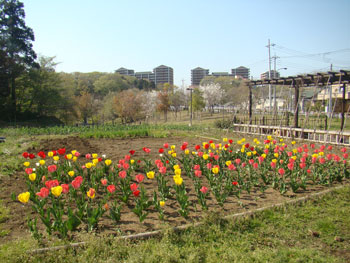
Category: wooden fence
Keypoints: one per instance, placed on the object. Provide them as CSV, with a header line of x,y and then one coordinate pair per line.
x,y
321,136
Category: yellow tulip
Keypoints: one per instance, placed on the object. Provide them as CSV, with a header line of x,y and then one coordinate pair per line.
x,y
321,153
187,151
177,172
42,162
71,173
172,147
294,157
161,203
108,162
178,180
56,158
132,161
205,156
150,175
294,151
69,156
57,190
249,154
94,155
315,155
73,152
294,142
176,166
95,161
74,158
50,154
276,155
173,155
254,152
170,152
263,155
32,177
24,197
274,160
215,170
224,139
26,164
228,163
88,165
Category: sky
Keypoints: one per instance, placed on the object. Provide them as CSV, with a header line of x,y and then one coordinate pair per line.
x,y
104,35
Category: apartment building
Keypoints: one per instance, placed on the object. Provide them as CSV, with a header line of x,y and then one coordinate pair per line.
x,y
124,71
241,72
197,75
160,75
274,75
163,74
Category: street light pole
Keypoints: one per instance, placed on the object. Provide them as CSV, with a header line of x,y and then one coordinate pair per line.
x,y
191,90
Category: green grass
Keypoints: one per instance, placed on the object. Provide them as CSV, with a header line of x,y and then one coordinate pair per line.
x,y
280,235
4,216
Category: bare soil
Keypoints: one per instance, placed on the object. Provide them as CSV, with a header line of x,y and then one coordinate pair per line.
x,y
116,149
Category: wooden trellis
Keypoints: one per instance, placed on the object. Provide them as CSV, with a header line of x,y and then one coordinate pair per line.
x,y
319,79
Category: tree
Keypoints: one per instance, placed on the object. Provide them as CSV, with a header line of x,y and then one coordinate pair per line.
x,y
85,104
197,100
16,45
212,94
164,99
129,105
177,100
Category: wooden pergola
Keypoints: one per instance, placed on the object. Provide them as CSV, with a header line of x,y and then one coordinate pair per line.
x,y
318,79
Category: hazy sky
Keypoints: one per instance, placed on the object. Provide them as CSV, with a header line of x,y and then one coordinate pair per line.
x,y
219,35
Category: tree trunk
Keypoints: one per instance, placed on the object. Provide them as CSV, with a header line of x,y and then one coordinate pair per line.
x,y
13,97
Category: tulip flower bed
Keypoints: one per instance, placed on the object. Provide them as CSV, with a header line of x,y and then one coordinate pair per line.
x,y
69,191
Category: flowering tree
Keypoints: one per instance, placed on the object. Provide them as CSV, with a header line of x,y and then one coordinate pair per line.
x,y
212,94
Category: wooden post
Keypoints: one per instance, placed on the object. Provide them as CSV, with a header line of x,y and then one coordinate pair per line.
x,y
296,105
343,109
250,104
325,123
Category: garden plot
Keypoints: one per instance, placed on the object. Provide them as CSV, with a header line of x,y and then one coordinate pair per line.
x,y
131,186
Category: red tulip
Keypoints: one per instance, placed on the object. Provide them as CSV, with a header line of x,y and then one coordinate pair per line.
x,y
51,183
25,155
281,171
122,174
198,173
65,188
132,152
111,188
52,168
133,187
104,181
44,192
139,178
136,193
204,190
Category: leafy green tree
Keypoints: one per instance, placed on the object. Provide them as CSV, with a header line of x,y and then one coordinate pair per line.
x,y
198,102
17,54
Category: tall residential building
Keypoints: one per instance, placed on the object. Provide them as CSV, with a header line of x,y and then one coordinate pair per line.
x,y
220,74
160,75
163,74
274,75
145,75
241,72
197,75
124,71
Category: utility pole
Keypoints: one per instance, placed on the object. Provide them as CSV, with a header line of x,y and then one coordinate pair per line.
x,y
191,116
269,46
274,87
